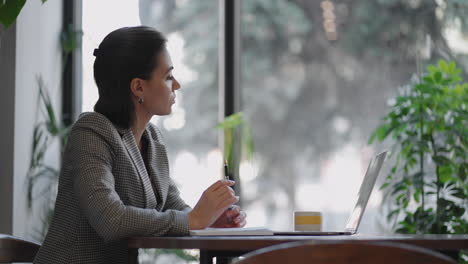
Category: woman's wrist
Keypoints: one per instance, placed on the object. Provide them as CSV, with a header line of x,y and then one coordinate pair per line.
x,y
194,222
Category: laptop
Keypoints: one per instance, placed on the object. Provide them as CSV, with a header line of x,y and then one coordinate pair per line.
x,y
356,214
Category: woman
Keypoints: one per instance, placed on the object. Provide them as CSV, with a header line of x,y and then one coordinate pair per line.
x,y
115,182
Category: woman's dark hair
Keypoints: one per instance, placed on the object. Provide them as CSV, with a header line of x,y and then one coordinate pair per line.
x,y
124,54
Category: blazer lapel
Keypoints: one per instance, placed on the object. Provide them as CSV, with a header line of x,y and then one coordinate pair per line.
x,y
158,169
135,155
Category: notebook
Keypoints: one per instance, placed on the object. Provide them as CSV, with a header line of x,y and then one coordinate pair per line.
x,y
244,231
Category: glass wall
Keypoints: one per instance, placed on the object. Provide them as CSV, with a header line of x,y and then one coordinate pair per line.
x,y
317,77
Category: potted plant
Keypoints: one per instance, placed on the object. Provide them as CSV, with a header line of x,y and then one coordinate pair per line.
x,y
427,187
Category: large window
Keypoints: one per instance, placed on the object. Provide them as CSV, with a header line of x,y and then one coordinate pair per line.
x,y
317,77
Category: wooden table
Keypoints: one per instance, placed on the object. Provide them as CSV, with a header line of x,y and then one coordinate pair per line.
x,y
233,246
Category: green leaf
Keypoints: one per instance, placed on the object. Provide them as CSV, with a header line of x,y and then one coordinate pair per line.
x,y
443,65
437,77
417,195
228,144
52,125
432,69
399,197
428,79
462,171
392,214
69,38
444,178
405,203
445,173
372,138
383,131
231,121
385,185
9,11
459,193
452,67
398,187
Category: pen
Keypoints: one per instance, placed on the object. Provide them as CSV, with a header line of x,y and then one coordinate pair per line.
x,y
226,170
226,176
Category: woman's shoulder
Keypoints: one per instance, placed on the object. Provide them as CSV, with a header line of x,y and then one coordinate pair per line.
x,y
91,134
91,117
96,123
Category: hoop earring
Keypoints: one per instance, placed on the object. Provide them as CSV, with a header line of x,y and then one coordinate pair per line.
x,y
141,100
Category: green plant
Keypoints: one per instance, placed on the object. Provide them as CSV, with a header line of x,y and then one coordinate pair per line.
x,y
42,178
230,125
428,123
45,133
10,9
236,128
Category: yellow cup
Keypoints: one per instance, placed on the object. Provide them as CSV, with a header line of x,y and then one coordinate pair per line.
x,y
307,221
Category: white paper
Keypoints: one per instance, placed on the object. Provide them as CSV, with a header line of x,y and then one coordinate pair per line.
x,y
244,231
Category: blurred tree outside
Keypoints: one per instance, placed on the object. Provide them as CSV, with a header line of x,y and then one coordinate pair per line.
x,y
316,76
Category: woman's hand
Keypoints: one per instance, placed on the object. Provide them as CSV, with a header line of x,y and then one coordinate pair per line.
x,y
231,217
213,202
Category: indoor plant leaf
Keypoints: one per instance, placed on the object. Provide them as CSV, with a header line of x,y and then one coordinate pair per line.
x,y
9,10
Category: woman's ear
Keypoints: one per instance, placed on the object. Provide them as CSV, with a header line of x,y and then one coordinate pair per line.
x,y
136,86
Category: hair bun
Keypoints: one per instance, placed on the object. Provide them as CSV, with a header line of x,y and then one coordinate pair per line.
x,y
95,52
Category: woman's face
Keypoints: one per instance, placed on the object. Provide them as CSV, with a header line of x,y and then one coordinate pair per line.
x,y
159,90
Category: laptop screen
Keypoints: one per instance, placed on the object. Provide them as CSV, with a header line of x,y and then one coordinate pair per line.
x,y
364,192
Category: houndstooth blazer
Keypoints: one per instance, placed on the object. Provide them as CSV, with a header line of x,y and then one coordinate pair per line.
x,y
106,194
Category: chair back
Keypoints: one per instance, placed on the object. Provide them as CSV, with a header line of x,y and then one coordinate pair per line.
x,y
13,249
341,253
